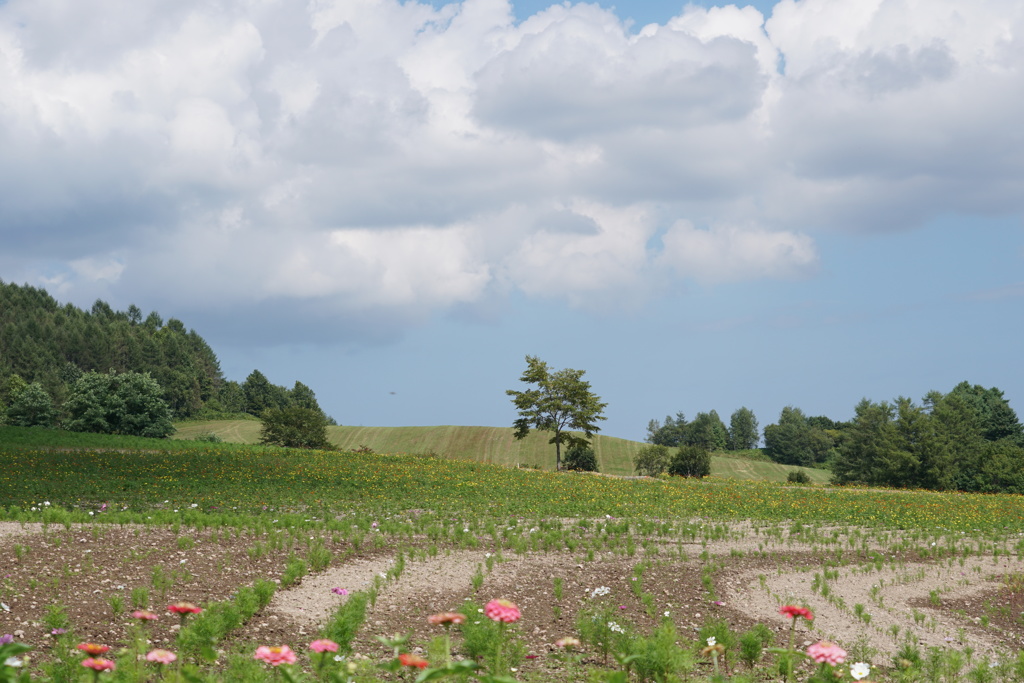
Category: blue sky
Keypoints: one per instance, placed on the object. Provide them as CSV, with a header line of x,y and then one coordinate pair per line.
x,y
395,203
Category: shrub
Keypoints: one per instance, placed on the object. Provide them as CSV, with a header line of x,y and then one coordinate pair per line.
x,y
346,621
798,477
580,458
659,657
209,437
651,460
32,407
691,461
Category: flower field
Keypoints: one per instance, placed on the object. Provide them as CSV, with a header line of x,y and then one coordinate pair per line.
x,y
224,563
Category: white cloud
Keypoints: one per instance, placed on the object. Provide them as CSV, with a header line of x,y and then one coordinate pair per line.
x,y
731,254
390,156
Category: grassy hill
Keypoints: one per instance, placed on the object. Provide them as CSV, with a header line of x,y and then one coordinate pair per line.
x,y
490,444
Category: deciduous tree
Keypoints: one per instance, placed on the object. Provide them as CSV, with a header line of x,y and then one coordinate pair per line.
x,y
560,403
118,403
295,427
743,432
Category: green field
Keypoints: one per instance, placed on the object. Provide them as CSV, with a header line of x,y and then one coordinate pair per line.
x,y
189,512
235,479
491,445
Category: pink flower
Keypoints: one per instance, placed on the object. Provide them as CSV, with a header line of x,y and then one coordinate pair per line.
x,y
145,615
567,643
275,656
339,591
502,610
323,646
792,611
97,664
824,651
161,656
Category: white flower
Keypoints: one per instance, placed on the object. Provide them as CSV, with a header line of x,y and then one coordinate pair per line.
x,y
13,662
666,613
600,590
615,628
46,502
860,670
711,641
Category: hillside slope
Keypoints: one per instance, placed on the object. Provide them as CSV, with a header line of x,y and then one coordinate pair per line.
x,y
489,444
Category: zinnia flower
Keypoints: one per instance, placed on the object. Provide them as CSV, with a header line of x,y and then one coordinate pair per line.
x,y
446,618
93,649
567,643
407,659
323,646
825,651
502,610
860,670
97,664
275,656
339,591
792,611
184,608
161,656
145,615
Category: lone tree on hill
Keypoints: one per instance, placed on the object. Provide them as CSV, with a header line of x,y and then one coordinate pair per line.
x,y
295,427
561,403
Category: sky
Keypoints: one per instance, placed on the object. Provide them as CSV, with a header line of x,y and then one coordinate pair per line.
x,y
703,206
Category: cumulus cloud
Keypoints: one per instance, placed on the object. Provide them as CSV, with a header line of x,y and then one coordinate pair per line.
x,y
731,254
385,160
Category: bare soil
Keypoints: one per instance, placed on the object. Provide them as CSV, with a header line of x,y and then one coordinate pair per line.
x,y
97,574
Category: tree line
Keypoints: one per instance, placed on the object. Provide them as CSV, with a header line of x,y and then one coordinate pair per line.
x,y
90,370
968,439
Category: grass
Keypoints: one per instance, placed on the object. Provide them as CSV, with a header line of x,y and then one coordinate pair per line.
x,y
232,479
495,445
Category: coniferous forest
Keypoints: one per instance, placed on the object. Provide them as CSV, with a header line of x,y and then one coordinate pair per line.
x,y
50,345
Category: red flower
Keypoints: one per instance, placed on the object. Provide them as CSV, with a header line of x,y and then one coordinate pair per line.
x,y
792,611
184,608
98,665
93,649
412,660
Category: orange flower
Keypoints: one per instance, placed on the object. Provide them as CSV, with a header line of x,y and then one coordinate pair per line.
x,y
93,649
412,660
446,618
